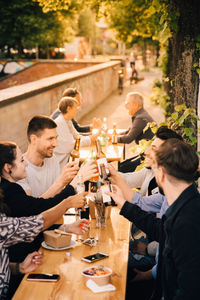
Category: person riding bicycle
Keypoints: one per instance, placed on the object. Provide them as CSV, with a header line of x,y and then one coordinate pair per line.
x,y
134,73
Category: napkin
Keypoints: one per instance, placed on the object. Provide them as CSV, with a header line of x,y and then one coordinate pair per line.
x,y
95,288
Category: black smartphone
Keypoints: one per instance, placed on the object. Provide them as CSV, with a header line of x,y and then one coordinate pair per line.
x,y
43,277
94,257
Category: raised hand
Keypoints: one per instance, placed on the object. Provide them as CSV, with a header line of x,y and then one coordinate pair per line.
x,y
88,170
113,171
78,200
117,196
69,172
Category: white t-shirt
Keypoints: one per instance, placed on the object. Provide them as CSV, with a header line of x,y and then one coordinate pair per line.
x,y
39,179
139,179
67,135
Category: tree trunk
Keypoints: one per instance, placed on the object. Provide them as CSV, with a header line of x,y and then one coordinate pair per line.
x,y
157,53
8,53
20,48
183,85
48,53
144,54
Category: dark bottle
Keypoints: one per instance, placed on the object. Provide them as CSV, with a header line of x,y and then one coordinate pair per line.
x,y
106,182
103,173
93,186
99,152
85,214
101,159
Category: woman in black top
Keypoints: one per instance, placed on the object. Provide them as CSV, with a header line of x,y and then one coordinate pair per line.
x,y
16,203
19,204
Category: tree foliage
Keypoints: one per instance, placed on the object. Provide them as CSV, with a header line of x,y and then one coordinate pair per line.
x,y
24,25
70,6
86,23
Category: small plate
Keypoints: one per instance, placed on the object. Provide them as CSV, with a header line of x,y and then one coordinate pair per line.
x,y
44,245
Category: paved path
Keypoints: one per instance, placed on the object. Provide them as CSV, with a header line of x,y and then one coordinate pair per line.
x,y
113,107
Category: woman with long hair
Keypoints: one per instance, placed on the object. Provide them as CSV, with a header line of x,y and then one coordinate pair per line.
x,y
15,204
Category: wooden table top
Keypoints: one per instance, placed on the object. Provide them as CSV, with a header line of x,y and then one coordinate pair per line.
x,y
113,152
112,240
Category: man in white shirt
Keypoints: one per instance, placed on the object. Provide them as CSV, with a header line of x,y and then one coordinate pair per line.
x,y
74,93
43,171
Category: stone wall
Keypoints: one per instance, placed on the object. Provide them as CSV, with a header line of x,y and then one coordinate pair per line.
x,y
19,104
41,69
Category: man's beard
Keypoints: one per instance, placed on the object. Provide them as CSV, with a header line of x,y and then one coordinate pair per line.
x,y
45,154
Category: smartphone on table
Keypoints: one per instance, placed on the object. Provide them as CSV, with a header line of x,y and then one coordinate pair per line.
x,y
43,277
94,257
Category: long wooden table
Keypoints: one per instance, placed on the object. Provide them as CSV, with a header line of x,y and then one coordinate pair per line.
x,y
112,152
112,240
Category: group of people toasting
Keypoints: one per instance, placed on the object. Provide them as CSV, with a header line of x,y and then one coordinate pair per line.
x,y
37,188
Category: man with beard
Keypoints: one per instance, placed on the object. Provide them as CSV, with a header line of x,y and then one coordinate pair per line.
x,y
143,179
178,232
43,171
155,202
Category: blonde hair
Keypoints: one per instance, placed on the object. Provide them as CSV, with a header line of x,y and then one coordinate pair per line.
x,y
66,102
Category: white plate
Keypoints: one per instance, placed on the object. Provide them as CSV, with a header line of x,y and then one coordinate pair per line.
x,y
44,245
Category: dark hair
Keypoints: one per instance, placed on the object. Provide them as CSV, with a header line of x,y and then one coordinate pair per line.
x,y
66,102
7,154
164,133
3,206
70,92
179,159
39,123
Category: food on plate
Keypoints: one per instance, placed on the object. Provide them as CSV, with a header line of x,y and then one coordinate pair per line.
x,y
96,271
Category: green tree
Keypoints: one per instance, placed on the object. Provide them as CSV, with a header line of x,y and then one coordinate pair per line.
x,y
175,23
24,25
70,6
86,23
183,53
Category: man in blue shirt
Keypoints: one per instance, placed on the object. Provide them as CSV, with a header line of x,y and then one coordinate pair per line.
x,y
179,260
144,267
